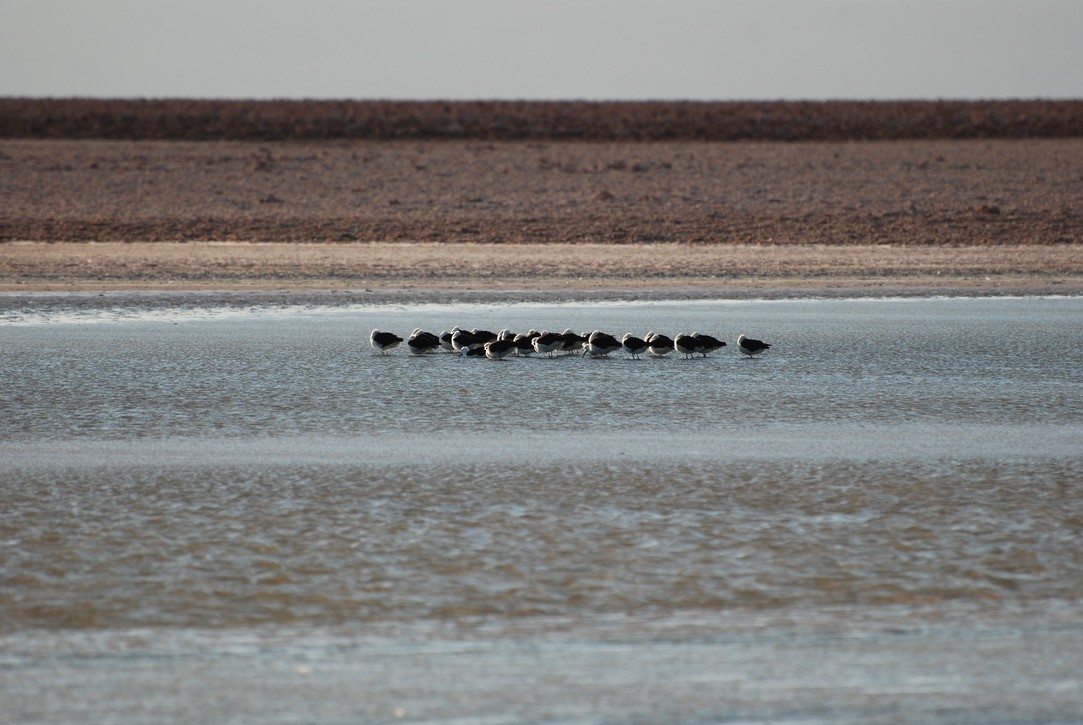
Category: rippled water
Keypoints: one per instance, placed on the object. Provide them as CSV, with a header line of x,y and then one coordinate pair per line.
x,y
879,520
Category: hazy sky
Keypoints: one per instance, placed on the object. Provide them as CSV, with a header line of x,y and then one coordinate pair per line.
x,y
559,49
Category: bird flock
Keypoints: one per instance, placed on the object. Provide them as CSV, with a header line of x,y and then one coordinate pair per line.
x,y
597,344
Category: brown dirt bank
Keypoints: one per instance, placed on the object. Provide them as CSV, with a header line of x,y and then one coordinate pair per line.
x,y
420,271
871,192
201,120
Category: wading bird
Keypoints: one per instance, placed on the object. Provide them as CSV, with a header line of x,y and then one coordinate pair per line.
x,y
751,347
384,341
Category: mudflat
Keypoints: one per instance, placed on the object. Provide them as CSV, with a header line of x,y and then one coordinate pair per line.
x,y
685,218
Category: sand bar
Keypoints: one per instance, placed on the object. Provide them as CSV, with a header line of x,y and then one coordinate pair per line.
x,y
431,272
467,219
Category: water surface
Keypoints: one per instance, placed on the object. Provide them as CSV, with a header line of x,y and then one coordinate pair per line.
x,y
876,521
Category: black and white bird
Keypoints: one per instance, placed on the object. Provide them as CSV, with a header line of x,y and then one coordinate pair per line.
x,y
659,344
548,342
460,339
600,344
445,339
482,336
634,346
524,344
384,341
421,342
573,342
687,345
708,343
500,348
751,347
468,339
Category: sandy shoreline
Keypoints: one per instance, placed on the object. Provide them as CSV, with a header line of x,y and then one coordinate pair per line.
x,y
252,273
469,220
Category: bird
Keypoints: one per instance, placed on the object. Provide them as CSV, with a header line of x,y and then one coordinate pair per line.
x,y
659,344
460,339
470,338
708,343
384,341
600,344
633,345
476,343
465,339
751,347
687,345
572,341
524,344
499,349
548,342
482,336
421,342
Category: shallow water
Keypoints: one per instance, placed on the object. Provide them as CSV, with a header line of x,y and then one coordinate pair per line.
x,y
879,520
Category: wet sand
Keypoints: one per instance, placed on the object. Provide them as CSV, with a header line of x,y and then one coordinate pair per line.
x,y
483,272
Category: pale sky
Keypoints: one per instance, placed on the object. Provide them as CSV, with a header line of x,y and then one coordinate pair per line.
x,y
546,49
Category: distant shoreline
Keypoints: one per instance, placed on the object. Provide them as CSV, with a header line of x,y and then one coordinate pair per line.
x,y
552,217
321,120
